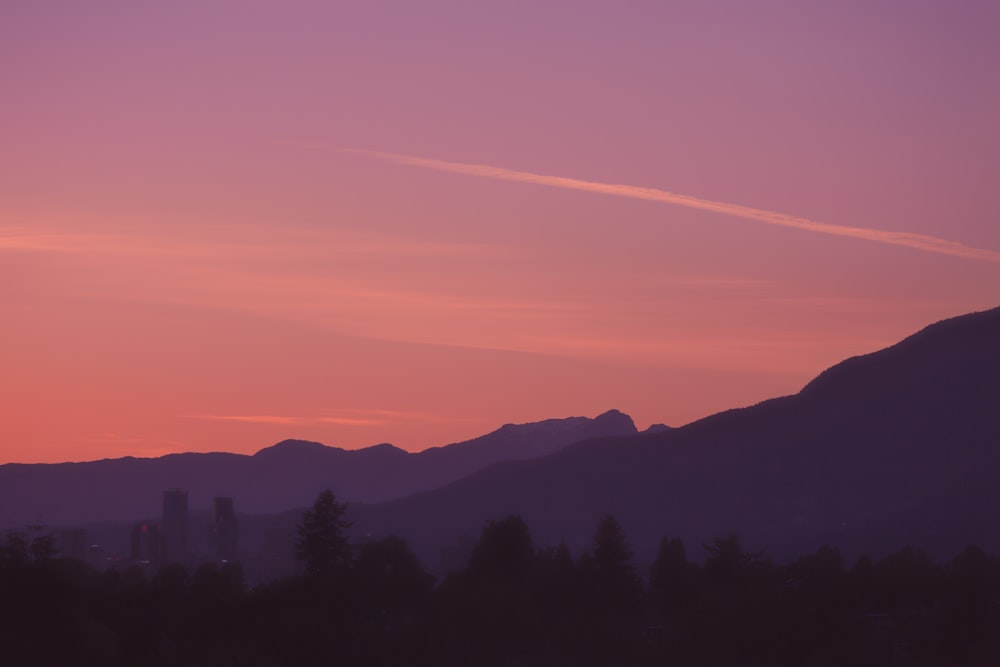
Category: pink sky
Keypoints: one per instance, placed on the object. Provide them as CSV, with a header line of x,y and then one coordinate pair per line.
x,y
189,261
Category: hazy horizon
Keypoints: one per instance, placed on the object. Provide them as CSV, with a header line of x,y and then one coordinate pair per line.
x,y
268,445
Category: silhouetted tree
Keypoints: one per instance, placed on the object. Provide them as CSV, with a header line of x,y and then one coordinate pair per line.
x,y
490,614
970,614
739,613
213,584
727,566
504,550
172,579
817,575
612,554
822,621
43,544
14,550
561,602
672,582
390,577
323,544
522,608
617,583
907,580
556,570
557,580
613,597
18,549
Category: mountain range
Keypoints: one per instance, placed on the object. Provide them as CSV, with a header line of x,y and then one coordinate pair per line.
x,y
287,475
894,448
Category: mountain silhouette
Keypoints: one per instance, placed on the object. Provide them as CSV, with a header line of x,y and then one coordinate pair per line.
x,y
899,447
894,448
286,475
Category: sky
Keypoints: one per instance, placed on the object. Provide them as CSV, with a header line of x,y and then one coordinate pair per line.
x,y
227,223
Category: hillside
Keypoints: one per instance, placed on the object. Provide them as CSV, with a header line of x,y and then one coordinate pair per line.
x,y
892,448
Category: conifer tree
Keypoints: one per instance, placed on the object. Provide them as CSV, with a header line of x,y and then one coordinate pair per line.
x,y
323,544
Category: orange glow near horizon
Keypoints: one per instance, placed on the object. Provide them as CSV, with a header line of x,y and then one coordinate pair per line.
x,y
179,271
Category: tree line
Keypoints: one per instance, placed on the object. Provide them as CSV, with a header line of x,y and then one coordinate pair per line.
x,y
514,604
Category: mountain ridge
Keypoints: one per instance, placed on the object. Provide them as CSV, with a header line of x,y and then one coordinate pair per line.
x,y
882,450
894,447
285,475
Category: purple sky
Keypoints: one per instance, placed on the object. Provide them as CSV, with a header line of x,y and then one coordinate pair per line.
x,y
189,261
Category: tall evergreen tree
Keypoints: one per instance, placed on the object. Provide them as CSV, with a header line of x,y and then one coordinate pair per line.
x,y
323,544
672,579
618,587
612,554
504,550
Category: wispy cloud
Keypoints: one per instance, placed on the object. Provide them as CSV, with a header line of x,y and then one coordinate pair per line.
x,y
906,239
255,419
283,420
348,417
294,244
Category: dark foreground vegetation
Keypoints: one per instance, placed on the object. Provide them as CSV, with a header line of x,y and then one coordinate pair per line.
x,y
514,604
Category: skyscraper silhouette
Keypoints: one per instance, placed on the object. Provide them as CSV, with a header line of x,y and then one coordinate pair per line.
x,y
224,530
146,545
173,533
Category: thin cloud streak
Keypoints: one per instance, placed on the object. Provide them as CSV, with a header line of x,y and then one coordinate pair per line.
x,y
294,245
289,421
256,419
906,239
353,417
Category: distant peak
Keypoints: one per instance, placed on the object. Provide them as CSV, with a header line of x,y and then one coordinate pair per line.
x,y
381,448
293,445
616,418
291,442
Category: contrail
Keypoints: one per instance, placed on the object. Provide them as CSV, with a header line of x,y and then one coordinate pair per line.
x,y
907,239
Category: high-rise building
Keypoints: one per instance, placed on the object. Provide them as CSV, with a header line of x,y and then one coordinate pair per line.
x,y
173,531
146,545
224,529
